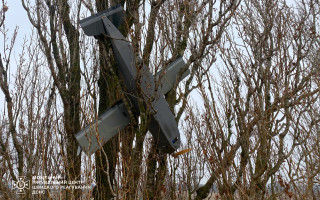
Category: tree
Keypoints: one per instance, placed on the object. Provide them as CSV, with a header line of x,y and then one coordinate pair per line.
x,y
26,128
249,108
160,29
257,111
63,61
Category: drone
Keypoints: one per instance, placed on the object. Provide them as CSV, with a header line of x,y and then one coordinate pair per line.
x,y
163,125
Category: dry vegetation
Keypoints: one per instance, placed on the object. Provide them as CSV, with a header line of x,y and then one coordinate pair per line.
x,y
249,110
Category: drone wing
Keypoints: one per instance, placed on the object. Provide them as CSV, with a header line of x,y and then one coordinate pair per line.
x,y
95,135
163,125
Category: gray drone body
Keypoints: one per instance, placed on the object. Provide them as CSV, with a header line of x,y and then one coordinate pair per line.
x,y
163,125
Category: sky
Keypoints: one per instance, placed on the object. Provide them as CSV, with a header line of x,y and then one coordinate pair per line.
x,y
14,17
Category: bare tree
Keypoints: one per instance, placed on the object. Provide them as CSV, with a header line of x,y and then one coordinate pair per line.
x,y
255,107
249,109
59,40
26,140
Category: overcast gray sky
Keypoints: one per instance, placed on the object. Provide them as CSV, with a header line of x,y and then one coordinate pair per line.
x,y
14,17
